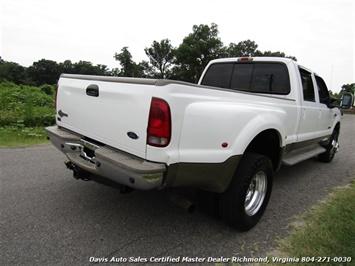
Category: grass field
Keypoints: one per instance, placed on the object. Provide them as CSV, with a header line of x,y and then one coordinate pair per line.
x,y
24,113
13,136
26,106
326,234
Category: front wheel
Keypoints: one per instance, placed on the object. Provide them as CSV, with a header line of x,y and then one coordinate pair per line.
x,y
332,148
244,202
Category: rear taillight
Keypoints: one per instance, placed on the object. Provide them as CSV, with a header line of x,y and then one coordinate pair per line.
x,y
159,123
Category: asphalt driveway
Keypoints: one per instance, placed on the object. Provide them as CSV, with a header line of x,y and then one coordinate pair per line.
x,y
49,218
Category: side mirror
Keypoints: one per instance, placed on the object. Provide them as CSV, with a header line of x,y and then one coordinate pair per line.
x,y
347,101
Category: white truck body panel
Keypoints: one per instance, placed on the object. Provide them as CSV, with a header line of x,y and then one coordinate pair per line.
x,y
209,125
120,108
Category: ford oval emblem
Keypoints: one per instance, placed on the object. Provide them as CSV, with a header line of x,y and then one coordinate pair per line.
x,y
132,135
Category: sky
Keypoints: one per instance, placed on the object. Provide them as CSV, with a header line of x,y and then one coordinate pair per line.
x,y
320,34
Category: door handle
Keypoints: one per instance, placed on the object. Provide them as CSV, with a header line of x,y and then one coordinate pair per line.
x,y
92,90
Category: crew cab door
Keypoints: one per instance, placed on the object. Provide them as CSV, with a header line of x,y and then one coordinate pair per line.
x,y
327,113
310,108
317,114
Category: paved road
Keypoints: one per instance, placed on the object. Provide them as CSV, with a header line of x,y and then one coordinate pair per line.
x,y
48,218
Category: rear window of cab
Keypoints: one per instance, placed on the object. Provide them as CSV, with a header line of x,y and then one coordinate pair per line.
x,y
258,77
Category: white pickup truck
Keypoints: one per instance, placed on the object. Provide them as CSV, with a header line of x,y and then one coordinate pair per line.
x,y
225,136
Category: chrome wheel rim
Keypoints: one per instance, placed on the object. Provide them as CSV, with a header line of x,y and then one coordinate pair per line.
x,y
256,193
335,147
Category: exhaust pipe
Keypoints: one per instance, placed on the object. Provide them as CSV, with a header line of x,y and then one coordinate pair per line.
x,y
181,201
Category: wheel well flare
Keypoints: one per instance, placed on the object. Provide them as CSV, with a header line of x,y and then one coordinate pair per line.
x,y
267,143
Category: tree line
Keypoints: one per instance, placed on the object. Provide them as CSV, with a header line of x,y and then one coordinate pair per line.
x,y
46,71
185,62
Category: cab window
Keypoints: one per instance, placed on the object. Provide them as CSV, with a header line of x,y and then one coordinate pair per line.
x,y
307,85
218,75
322,91
259,77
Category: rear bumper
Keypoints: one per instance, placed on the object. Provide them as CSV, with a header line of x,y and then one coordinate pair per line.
x,y
120,167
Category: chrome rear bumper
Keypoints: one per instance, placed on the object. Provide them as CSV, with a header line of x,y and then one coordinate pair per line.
x,y
118,166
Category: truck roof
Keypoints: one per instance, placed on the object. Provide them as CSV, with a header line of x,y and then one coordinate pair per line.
x,y
258,59
264,59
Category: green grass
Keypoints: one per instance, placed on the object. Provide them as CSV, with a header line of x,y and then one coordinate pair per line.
x,y
327,232
24,113
12,136
26,105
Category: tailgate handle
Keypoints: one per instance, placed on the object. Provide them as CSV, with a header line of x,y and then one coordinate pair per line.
x,y
92,90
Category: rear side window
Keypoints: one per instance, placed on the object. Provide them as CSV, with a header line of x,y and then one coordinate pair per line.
x,y
269,78
307,84
218,75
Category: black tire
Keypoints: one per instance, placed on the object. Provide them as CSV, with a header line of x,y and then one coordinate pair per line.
x,y
332,148
244,202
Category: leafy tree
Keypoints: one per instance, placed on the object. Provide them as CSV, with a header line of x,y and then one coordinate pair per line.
x,y
278,54
83,67
250,48
350,88
145,70
114,72
196,50
102,70
44,72
346,88
66,67
12,72
244,48
274,54
161,55
48,71
183,63
128,66
126,62
87,68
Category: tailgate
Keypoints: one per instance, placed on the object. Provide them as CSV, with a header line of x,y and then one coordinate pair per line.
x,y
110,110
